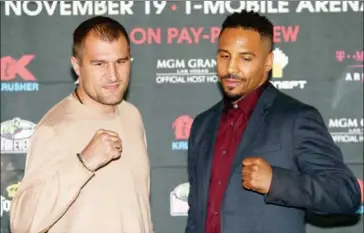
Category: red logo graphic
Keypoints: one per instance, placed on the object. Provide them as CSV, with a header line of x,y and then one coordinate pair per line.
x,y
357,56
11,67
197,35
361,184
182,126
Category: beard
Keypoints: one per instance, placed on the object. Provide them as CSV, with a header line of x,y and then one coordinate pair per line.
x,y
114,100
230,93
231,97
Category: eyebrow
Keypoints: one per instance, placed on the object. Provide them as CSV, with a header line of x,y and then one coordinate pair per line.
x,y
241,53
101,60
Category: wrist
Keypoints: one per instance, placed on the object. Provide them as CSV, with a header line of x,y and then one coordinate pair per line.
x,y
84,163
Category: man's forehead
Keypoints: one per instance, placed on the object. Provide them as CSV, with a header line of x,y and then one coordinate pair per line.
x,y
240,39
238,33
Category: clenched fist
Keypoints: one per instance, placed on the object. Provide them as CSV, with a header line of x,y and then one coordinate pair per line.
x,y
104,146
256,174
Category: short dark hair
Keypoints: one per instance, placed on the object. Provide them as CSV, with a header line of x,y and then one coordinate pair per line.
x,y
250,20
103,27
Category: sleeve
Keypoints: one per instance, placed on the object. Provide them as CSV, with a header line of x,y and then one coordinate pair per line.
x,y
323,184
191,168
52,181
146,147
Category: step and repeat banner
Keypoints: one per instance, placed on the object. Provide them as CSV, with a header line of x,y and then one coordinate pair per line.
x,y
318,60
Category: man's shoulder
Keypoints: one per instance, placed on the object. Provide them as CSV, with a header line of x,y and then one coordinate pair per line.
x,y
291,107
55,115
130,113
128,109
287,103
48,125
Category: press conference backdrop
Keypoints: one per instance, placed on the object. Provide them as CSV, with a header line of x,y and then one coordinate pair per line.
x,y
318,60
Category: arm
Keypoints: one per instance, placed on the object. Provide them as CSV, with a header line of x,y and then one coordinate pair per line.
x,y
324,184
52,181
191,167
144,136
146,147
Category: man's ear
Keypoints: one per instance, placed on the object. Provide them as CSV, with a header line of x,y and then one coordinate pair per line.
x,y
76,65
269,62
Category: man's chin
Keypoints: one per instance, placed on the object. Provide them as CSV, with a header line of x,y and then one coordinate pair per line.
x,y
114,101
231,93
232,96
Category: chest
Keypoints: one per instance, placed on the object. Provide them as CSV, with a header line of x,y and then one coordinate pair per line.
x,y
134,156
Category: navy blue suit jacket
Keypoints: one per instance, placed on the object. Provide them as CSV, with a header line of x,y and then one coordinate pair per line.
x,y
308,169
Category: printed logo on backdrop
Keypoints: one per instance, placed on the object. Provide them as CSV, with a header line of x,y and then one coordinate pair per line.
x,y
196,35
185,71
15,135
181,127
16,76
272,7
174,35
355,67
361,209
280,62
6,201
348,88
75,8
346,130
179,200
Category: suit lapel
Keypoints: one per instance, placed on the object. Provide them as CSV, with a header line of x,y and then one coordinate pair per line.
x,y
255,124
209,136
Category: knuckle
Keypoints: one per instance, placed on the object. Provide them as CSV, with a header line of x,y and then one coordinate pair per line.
x,y
104,137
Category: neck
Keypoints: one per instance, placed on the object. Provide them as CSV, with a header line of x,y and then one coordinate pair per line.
x,y
84,99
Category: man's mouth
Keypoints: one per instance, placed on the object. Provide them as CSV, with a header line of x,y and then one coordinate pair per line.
x,y
230,82
112,86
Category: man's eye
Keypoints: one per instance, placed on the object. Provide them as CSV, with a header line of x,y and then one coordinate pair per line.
x,y
247,58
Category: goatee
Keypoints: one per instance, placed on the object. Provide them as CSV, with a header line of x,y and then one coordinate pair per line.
x,y
232,98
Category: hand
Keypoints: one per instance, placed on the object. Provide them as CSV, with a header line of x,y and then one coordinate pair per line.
x,y
256,175
104,146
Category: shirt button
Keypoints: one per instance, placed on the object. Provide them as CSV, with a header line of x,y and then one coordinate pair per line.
x,y
235,106
216,213
224,152
219,182
232,123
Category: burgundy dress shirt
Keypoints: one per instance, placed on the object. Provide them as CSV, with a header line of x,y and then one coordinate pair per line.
x,y
230,131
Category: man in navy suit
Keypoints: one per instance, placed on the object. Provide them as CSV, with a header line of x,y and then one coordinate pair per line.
x,y
259,159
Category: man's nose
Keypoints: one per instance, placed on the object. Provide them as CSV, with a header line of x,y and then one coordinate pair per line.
x,y
113,73
232,67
